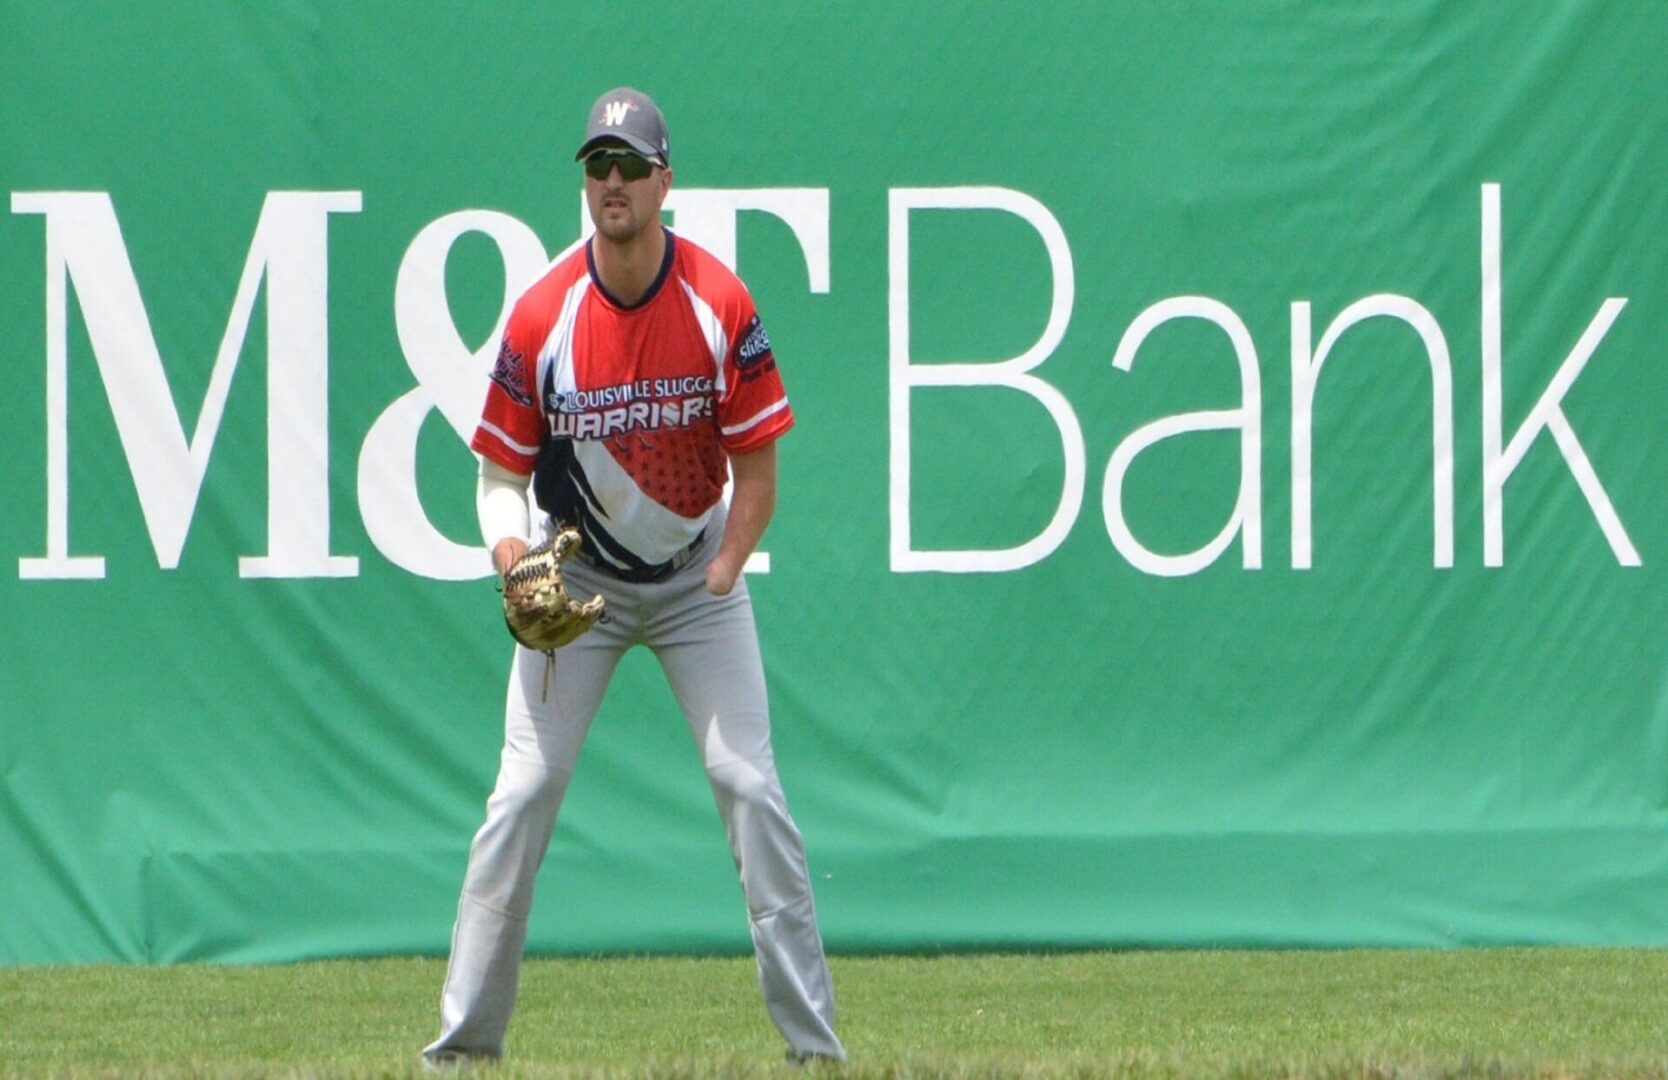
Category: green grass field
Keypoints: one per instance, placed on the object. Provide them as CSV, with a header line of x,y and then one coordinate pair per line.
x,y
1504,1012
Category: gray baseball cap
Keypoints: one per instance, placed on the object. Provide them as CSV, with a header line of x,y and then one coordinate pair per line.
x,y
630,117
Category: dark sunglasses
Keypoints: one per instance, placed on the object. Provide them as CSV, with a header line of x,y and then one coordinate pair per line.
x,y
632,166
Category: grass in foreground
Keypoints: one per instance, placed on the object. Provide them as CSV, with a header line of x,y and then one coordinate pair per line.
x,y
1506,1012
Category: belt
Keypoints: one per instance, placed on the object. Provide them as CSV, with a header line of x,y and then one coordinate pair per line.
x,y
646,574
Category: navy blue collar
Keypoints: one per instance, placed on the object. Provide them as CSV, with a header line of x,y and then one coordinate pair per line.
x,y
654,288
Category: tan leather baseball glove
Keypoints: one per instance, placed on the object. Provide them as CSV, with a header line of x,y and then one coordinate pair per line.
x,y
537,608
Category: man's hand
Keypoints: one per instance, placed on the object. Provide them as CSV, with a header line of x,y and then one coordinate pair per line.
x,y
506,552
721,576
751,504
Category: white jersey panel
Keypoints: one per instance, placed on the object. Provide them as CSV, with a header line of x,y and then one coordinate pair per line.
x,y
712,328
656,533
558,347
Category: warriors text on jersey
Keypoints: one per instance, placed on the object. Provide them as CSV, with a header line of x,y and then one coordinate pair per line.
x,y
624,415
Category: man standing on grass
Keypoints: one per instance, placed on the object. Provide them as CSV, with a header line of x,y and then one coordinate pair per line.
x,y
630,376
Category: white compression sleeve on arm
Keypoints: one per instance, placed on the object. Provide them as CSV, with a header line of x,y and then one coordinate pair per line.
x,y
501,503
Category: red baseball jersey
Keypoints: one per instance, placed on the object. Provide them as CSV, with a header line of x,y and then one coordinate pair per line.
x,y
624,414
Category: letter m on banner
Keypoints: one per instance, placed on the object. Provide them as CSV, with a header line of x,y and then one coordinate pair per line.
x,y
85,251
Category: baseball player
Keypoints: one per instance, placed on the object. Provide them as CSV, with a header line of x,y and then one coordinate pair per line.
x,y
630,376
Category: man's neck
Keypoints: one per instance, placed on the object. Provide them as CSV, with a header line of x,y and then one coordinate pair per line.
x,y
628,270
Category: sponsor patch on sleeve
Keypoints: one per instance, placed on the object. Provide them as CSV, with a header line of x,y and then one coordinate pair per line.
x,y
511,374
755,345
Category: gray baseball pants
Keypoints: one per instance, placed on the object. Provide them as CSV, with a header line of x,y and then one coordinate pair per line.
x,y
708,647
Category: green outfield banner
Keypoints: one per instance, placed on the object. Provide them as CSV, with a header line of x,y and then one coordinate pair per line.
x,y
1227,505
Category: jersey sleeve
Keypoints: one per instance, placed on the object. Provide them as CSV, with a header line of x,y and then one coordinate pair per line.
x,y
753,408
511,426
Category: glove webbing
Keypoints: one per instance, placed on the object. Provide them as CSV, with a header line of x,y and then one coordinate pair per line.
x,y
522,575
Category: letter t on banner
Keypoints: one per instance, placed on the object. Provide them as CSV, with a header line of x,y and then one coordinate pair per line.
x,y
708,217
1013,373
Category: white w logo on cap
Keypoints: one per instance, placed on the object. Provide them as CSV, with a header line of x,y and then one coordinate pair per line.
x,y
614,113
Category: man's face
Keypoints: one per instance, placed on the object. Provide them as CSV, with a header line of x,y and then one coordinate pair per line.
x,y
622,208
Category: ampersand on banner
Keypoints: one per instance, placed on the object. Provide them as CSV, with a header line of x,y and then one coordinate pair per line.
x,y
451,377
